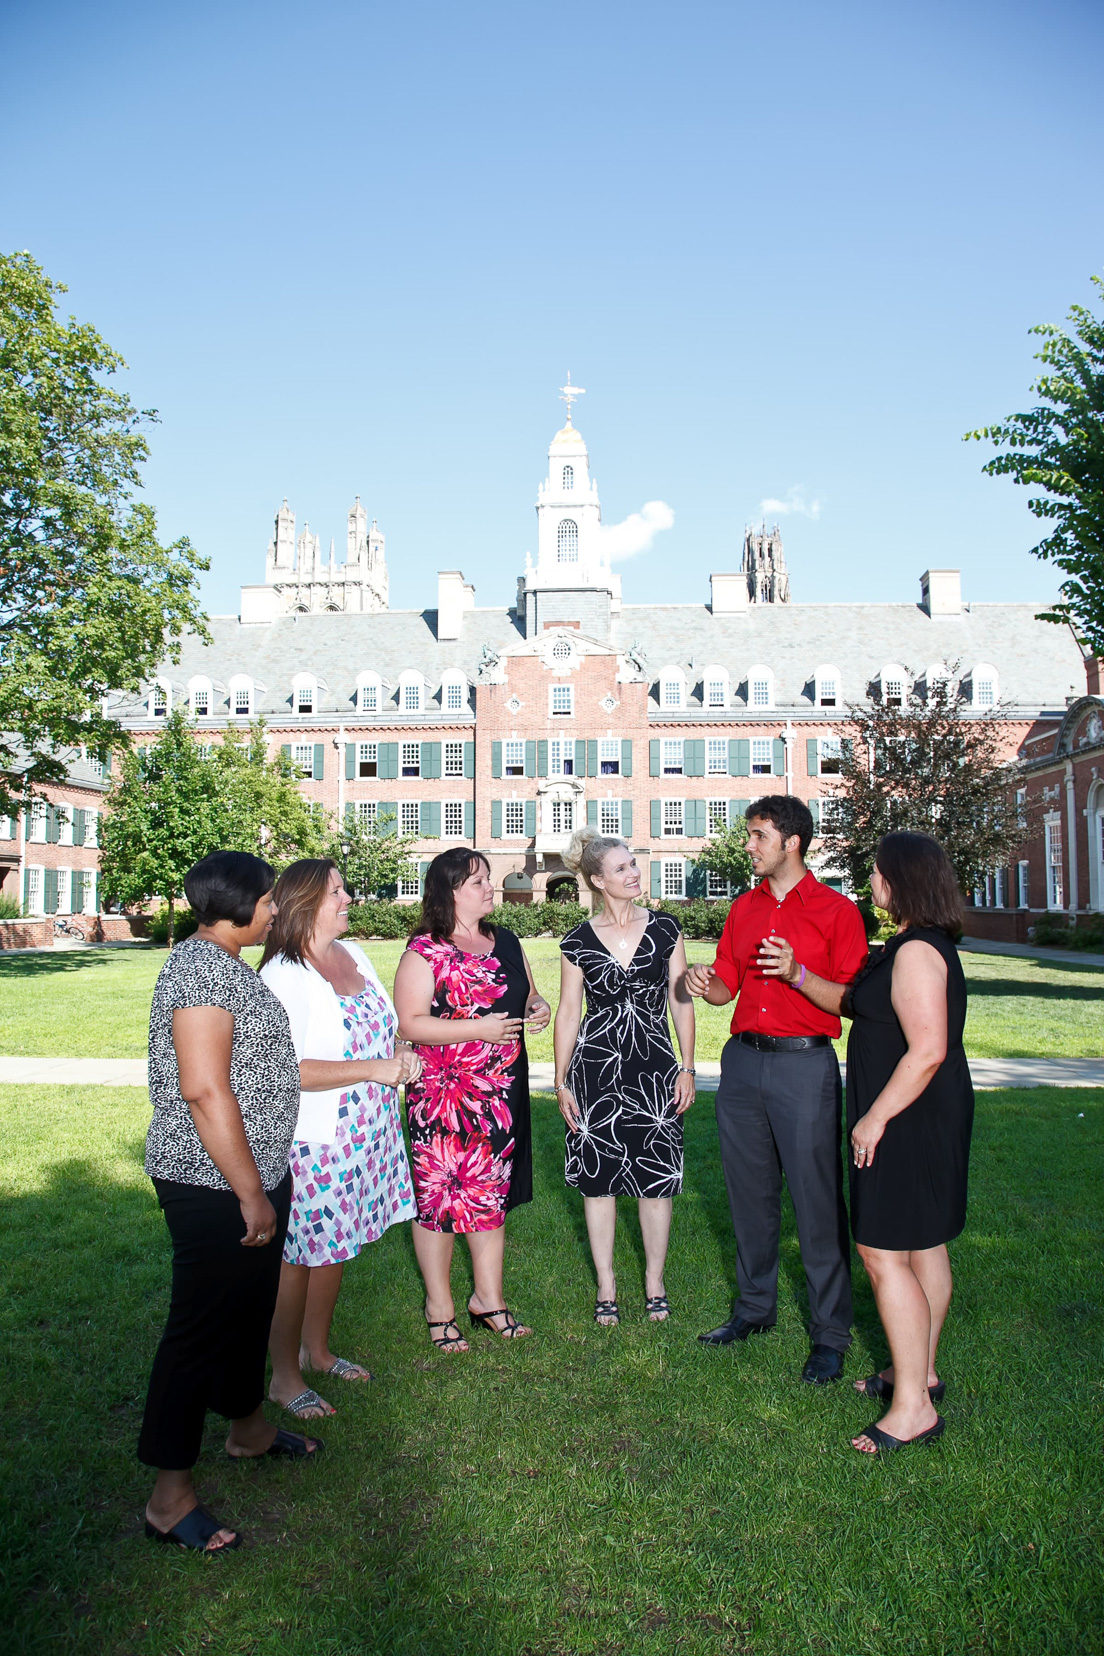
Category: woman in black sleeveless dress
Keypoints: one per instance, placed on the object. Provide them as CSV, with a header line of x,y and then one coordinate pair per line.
x,y
910,1111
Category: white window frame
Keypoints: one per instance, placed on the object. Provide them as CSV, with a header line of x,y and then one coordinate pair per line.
x,y
567,480
716,689
410,885
1023,876
716,756
240,686
567,541
513,819
454,759
716,886
673,822
760,687
609,818
672,882
830,753
561,756
197,688
35,899
65,824
716,811
564,694
154,707
410,759
367,759
306,767
828,805
453,693
672,756
984,686
937,673
513,756
672,689
1054,867
894,674
411,692
64,879
561,815
366,811
369,693
562,651
1000,888
762,755
452,819
609,756
410,818
92,831
304,689
829,683
36,828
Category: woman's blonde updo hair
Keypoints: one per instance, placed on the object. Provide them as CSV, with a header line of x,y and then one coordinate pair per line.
x,y
586,851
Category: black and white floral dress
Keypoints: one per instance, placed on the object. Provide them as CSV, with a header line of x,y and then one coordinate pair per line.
x,y
623,1070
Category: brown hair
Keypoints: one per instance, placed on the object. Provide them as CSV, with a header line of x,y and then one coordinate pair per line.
x,y
923,886
443,878
299,894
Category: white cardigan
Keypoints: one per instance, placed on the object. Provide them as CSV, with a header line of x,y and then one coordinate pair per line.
x,y
318,1031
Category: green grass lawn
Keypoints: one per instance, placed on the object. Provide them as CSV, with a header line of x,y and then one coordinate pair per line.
x,y
95,1003
587,1491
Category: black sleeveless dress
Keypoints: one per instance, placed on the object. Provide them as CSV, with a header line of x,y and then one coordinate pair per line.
x,y
914,1195
623,1070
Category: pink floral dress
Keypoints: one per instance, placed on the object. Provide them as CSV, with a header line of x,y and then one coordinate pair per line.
x,y
345,1194
471,1150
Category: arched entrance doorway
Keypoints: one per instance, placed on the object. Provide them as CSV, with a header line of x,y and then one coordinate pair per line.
x,y
517,888
563,888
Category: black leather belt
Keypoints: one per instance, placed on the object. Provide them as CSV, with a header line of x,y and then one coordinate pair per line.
x,y
781,1043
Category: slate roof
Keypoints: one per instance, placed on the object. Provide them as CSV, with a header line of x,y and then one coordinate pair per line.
x,y
1039,664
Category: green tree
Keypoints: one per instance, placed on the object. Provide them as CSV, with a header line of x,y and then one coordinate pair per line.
x,y
726,856
372,855
930,766
262,808
165,811
1058,447
90,599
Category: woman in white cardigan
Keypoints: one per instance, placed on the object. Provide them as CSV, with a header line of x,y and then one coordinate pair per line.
x,y
350,1174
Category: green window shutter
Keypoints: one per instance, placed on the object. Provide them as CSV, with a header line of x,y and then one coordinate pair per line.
x,y
695,879
812,756
742,766
542,758
26,886
657,879
592,758
530,817
847,749
626,756
350,760
695,818
657,819
50,890
431,760
580,758
423,869
350,810
530,758
814,807
53,829
107,762
626,818
496,819
429,819
778,760
695,758
592,813
389,891
319,768
653,758
285,749
496,758
737,810
388,808
469,819
97,906
389,753
76,891
469,760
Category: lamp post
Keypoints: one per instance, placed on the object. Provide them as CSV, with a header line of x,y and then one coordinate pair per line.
x,y
346,847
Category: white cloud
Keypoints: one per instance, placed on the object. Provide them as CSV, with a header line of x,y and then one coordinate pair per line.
x,y
637,532
795,502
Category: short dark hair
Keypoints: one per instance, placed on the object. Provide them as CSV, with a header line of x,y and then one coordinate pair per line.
x,y
789,815
923,886
228,885
443,878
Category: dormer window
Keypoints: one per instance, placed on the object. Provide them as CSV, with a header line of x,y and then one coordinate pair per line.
x,y
983,682
199,691
894,681
369,693
410,693
760,687
160,701
672,688
568,479
241,697
715,682
453,693
567,542
304,695
827,687
938,681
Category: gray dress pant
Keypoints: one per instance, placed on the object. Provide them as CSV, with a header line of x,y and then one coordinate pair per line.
x,y
780,1113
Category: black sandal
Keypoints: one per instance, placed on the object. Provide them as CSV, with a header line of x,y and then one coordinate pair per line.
x,y
444,1342
657,1308
292,1445
875,1386
884,1443
607,1308
484,1319
194,1531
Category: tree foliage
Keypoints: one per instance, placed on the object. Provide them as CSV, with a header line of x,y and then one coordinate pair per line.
x,y
930,766
1058,447
372,856
263,810
89,596
726,856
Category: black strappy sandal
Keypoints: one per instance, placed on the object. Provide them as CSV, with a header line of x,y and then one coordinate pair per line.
x,y
657,1308
484,1319
609,1309
875,1386
446,1341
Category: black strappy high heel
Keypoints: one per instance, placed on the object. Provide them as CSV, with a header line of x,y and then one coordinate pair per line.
x,y
445,1342
484,1319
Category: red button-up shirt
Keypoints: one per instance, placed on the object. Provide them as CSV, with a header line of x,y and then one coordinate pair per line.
x,y
827,936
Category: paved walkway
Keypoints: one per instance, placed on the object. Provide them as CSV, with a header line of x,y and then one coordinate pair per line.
x,y
131,1072
1028,951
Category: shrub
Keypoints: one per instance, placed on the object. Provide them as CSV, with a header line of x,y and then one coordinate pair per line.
x,y
10,908
531,919
1052,928
699,917
185,925
382,917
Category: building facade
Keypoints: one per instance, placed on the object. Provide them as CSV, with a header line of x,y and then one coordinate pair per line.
x,y
505,727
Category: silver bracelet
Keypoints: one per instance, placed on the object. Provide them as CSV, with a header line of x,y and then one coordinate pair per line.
x,y
687,1069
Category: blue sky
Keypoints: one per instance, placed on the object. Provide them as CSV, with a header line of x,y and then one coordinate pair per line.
x,y
792,252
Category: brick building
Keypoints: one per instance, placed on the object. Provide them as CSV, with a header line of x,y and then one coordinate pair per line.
x,y
49,853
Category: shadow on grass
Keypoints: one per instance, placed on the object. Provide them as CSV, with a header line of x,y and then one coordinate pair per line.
x,y
1026,989
49,964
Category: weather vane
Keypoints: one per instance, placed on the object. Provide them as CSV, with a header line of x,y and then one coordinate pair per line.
x,y
568,393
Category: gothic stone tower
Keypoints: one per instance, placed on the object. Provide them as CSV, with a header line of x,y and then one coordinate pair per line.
x,y
764,566
305,583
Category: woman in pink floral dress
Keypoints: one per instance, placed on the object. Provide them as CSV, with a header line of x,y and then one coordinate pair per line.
x,y
464,995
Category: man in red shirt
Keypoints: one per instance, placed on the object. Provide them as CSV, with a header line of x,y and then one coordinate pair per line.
x,y
779,1098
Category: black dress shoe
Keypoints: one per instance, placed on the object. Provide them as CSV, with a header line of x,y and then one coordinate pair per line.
x,y
737,1328
823,1364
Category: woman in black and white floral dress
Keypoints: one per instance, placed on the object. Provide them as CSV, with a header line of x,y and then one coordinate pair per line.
x,y
619,1088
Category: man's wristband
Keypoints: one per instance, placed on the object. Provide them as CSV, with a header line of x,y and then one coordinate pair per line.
x,y
800,980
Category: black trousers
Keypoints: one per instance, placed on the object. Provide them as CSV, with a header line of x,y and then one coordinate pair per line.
x,y
781,1113
213,1351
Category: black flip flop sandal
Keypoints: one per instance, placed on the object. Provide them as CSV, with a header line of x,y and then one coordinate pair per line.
x,y
885,1444
607,1308
194,1531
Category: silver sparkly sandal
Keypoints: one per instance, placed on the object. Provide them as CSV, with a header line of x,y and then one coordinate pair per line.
x,y
308,1400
